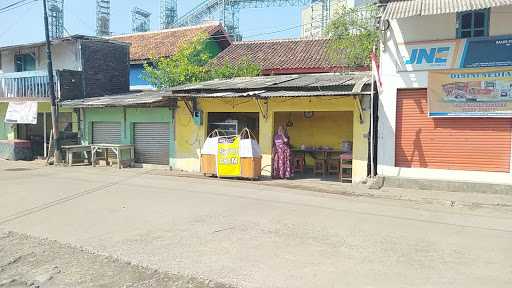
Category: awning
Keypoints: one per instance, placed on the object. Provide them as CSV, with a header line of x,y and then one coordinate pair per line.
x,y
355,82
133,99
408,8
21,113
272,94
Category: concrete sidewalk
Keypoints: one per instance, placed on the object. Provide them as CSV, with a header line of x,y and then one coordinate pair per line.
x,y
438,197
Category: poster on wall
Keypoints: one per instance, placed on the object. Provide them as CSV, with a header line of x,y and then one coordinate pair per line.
x,y
23,112
228,157
482,52
470,93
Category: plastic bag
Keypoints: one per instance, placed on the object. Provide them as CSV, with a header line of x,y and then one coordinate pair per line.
x,y
210,146
249,147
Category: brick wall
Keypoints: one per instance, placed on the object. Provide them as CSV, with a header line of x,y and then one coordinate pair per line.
x,y
106,68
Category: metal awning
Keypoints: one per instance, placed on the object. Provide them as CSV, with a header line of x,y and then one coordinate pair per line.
x,y
408,8
144,98
355,82
273,94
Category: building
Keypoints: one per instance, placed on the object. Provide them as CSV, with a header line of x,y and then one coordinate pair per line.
x,y
316,16
169,128
300,85
446,104
84,67
318,111
146,46
290,56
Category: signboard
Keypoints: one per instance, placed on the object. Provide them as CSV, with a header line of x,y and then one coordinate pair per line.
x,y
480,52
487,52
228,157
429,55
470,93
21,113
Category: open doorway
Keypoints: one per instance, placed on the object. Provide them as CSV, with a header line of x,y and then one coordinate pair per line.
x,y
317,142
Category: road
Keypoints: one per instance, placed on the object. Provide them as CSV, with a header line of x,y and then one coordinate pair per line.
x,y
251,235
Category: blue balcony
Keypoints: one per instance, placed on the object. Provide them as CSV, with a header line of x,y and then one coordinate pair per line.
x,y
27,85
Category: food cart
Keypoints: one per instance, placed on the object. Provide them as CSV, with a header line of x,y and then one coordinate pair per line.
x,y
237,156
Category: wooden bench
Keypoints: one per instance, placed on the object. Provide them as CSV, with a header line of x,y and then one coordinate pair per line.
x,y
72,149
117,149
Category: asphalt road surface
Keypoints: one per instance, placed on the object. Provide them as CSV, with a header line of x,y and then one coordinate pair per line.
x,y
251,235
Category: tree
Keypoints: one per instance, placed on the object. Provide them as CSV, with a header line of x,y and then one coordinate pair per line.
x,y
353,35
190,65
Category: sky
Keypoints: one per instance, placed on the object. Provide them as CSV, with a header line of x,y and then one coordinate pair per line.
x,y
25,24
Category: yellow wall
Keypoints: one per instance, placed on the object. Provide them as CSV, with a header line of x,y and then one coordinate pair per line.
x,y
323,129
189,137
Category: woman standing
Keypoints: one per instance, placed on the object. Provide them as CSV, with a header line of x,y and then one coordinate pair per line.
x,y
281,155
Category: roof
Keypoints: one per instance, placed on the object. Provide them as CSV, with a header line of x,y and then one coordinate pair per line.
x,y
165,43
282,56
305,85
140,98
292,85
64,39
271,94
408,8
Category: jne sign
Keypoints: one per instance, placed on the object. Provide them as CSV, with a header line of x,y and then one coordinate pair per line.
x,y
428,56
481,52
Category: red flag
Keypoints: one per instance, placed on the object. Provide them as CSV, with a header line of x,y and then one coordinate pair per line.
x,y
376,72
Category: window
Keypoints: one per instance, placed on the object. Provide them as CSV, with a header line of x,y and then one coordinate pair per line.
x,y
473,24
25,62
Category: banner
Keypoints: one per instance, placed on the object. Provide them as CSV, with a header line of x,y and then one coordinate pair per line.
x,y
228,157
481,52
21,113
470,93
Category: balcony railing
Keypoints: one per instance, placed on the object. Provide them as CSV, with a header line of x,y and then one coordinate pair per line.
x,y
31,84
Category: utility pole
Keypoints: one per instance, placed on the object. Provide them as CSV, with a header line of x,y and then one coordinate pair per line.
x,y
53,98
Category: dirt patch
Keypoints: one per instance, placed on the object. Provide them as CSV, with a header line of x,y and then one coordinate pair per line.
x,y
32,262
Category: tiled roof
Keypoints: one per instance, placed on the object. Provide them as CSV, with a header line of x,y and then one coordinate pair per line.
x,y
282,56
165,43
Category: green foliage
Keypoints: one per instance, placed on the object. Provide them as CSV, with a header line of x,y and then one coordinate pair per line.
x,y
190,65
353,35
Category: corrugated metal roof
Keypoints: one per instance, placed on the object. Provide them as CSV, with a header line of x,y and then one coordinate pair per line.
x,y
408,8
303,85
299,83
121,100
273,94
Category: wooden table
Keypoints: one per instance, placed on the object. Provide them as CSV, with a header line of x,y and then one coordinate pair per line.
x,y
82,149
117,149
325,152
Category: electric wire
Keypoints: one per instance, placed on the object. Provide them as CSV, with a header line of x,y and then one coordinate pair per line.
x,y
17,5
16,22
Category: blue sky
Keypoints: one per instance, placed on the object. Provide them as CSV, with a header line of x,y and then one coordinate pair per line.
x,y
25,24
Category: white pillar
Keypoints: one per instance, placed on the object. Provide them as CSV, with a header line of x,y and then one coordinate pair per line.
x,y
44,135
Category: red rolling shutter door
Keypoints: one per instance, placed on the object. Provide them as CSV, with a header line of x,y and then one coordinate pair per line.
x,y
477,144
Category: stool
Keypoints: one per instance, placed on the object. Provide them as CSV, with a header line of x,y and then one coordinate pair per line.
x,y
319,167
299,163
346,167
333,167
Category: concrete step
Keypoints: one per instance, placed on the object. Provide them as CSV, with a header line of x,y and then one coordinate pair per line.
x,y
449,186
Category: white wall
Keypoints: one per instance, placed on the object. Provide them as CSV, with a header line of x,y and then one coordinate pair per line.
x,y
425,28
66,55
